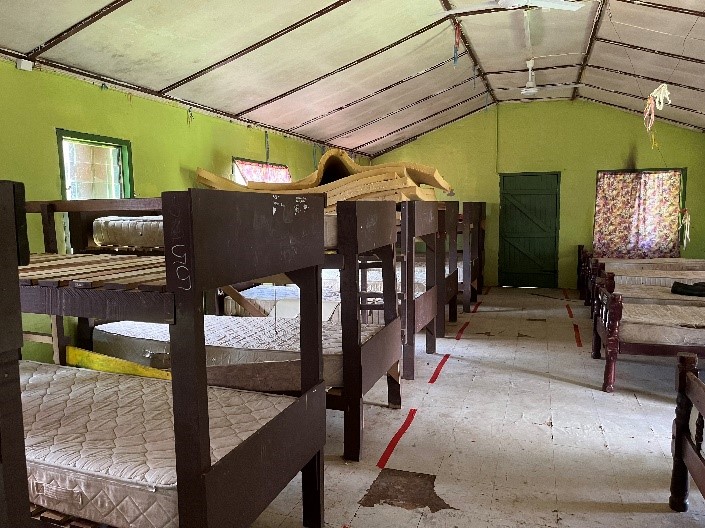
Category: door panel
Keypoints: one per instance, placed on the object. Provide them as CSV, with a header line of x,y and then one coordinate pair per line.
x,y
528,229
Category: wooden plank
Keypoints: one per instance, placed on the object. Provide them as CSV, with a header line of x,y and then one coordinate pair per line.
x,y
68,260
97,281
102,264
37,337
55,518
248,305
155,286
132,283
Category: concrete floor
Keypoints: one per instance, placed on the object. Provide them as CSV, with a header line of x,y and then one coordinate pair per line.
x,y
515,430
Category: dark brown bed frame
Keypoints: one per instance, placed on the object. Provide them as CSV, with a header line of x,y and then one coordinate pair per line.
x,y
473,229
449,222
197,224
606,321
686,447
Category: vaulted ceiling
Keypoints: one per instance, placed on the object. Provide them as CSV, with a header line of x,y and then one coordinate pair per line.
x,y
369,75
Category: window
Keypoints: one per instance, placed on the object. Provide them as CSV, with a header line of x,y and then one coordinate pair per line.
x,y
256,171
638,214
94,166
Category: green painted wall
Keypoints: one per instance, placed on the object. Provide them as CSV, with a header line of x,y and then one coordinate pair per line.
x,y
575,138
166,149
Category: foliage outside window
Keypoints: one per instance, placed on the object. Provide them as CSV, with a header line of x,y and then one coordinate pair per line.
x,y
94,166
256,171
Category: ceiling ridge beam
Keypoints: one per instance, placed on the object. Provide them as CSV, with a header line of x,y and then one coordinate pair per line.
x,y
459,103
673,9
650,50
597,23
638,112
85,74
466,42
256,45
412,138
646,78
526,70
344,67
78,26
634,96
405,107
375,93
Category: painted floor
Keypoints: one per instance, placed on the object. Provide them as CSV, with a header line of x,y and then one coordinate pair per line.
x,y
514,431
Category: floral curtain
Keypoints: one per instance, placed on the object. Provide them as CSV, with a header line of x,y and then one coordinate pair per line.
x,y
261,172
637,214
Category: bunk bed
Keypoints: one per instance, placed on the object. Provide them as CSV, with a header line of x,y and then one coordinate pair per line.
x,y
639,328
449,222
687,443
226,443
473,229
261,353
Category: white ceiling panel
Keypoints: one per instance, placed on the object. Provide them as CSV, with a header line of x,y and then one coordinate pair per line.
x,y
554,37
393,99
648,64
648,18
424,126
417,54
155,43
693,5
623,83
411,114
636,104
26,24
319,48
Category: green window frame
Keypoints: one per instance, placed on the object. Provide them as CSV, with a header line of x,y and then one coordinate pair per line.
x,y
125,157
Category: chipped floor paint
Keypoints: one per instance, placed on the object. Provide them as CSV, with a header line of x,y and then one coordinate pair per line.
x,y
516,432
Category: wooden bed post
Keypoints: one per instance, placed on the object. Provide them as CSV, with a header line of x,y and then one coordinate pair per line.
x,y
581,277
389,287
433,247
188,362
408,250
680,480
14,250
614,316
49,227
444,220
596,339
451,226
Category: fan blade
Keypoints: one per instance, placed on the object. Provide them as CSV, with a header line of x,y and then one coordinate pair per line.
x,y
559,86
556,4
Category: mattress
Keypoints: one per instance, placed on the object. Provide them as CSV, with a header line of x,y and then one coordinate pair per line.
x,y
672,265
233,341
101,446
138,231
148,231
658,277
663,324
656,295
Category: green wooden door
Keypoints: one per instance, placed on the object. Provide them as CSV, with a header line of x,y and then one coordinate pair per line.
x,y
528,229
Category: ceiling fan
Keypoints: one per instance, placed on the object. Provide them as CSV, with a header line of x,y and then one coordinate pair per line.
x,y
531,89
565,5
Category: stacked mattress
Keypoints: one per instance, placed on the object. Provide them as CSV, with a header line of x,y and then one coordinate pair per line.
x,y
271,343
653,277
101,446
656,295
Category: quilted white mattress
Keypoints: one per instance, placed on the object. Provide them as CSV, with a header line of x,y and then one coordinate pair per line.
x,y
658,277
138,231
656,295
232,341
148,231
101,446
663,324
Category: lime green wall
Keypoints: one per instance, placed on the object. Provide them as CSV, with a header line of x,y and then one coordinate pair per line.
x,y
166,149
575,138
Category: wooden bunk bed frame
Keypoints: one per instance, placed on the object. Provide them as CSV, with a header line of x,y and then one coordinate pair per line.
x,y
473,229
449,223
197,224
686,446
606,324
419,220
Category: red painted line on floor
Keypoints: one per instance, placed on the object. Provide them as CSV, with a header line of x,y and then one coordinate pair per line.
x,y
437,372
487,290
578,341
395,440
570,312
565,294
477,305
460,332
